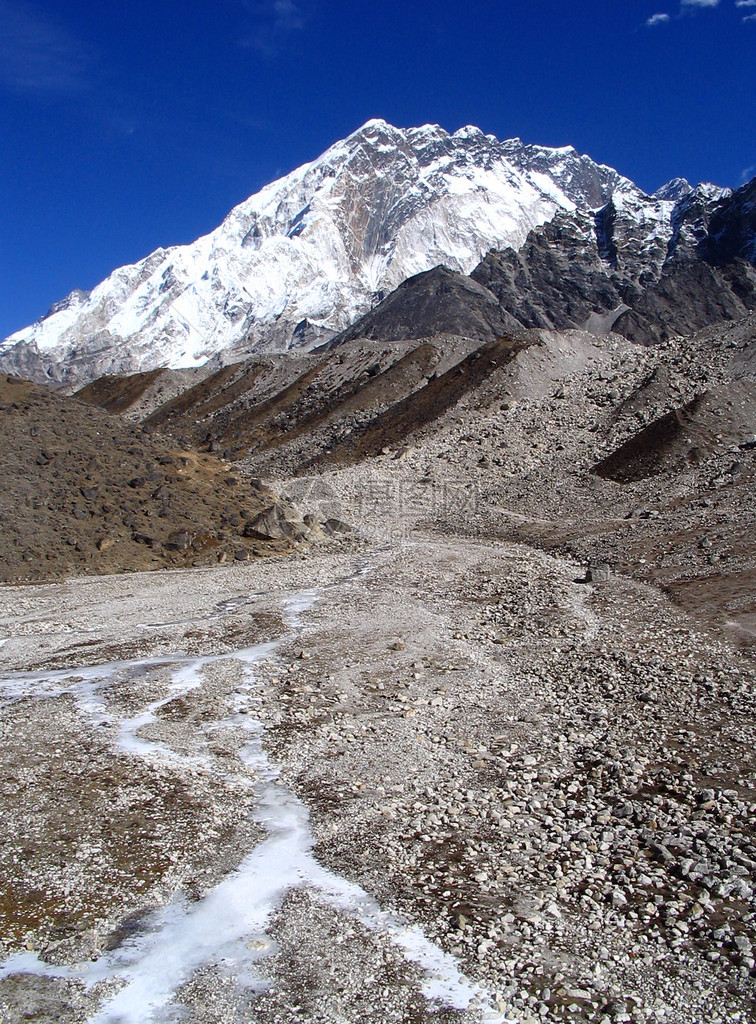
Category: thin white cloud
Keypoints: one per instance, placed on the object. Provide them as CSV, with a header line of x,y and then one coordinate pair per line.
x,y
688,7
275,22
288,15
747,174
38,56
745,3
750,17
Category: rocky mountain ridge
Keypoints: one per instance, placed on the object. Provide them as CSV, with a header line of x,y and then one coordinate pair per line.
x,y
606,273
301,260
618,274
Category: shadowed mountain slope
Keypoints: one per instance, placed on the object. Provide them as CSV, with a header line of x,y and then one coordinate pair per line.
x,y
571,272
438,301
687,435
403,419
119,394
296,405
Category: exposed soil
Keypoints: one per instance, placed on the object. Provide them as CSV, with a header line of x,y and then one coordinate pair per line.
x,y
83,493
423,407
119,394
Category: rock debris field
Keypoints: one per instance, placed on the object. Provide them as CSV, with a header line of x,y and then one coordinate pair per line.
x,y
436,780
423,767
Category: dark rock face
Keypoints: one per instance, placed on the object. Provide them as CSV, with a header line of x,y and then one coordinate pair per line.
x,y
640,283
689,295
732,229
570,269
438,301
582,264
555,281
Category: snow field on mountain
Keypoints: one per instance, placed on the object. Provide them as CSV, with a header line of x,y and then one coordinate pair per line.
x,y
375,209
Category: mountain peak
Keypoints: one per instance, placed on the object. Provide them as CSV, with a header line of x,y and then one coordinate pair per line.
x,y
674,189
322,244
373,126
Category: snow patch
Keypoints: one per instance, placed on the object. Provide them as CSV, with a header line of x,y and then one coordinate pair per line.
x,y
228,926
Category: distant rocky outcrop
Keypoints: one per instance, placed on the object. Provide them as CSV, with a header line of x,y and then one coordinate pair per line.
x,y
436,302
556,281
569,271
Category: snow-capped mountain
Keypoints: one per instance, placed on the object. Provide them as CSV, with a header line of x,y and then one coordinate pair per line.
x,y
307,255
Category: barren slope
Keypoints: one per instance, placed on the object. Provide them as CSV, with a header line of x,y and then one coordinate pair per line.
x,y
82,493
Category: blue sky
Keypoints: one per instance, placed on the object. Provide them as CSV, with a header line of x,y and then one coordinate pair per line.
x,y
129,126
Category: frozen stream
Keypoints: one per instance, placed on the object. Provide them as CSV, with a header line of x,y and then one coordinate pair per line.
x,y
227,928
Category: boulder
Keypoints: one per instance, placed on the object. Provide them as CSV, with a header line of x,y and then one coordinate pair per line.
x,y
598,572
179,540
333,527
275,523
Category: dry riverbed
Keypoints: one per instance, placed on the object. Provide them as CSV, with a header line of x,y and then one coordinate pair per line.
x,y
554,780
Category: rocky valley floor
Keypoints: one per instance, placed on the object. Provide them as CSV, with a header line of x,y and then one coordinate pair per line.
x,y
266,772
427,769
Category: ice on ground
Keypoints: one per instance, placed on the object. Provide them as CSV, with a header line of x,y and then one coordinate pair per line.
x,y
227,927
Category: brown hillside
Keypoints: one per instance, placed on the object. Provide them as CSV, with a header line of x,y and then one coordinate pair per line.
x,y
80,492
117,394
